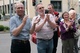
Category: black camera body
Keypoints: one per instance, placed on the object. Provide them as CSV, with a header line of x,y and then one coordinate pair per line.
x,y
46,11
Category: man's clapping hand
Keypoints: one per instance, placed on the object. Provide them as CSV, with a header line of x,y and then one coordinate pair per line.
x,y
24,19
36,20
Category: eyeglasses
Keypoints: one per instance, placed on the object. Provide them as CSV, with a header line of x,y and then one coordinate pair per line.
x,y
41,7
49,8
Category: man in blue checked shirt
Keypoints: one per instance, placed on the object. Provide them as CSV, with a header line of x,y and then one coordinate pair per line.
x,y
20,30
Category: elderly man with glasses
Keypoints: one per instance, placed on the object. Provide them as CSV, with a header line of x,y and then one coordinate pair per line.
x,y
44,30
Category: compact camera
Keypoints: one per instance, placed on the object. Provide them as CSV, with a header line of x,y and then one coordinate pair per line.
x,y
46,11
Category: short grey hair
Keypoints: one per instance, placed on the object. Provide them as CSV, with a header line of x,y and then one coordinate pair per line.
x,y
37,5
15,5
51,5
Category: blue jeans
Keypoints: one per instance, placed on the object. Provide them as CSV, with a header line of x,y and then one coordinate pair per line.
x,y
45,46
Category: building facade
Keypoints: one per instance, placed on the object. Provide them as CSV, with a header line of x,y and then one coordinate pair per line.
x,y
59,5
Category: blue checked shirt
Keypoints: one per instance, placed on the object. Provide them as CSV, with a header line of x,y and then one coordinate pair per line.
x,y
15,21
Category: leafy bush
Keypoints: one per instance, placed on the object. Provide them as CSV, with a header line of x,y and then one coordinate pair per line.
x,y
1,28
6,28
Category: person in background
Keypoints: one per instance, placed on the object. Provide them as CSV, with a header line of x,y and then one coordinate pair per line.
x,y
57,20
67,33
20,30
73,17
44,30
71,9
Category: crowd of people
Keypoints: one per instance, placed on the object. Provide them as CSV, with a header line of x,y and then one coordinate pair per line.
x,y
48,27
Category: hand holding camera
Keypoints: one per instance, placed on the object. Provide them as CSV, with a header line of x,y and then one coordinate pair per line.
x,y
46,11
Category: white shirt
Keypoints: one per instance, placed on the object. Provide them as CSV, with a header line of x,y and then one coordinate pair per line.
x,y
46,32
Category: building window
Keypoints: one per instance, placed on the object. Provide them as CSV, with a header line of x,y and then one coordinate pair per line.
x,y
57,5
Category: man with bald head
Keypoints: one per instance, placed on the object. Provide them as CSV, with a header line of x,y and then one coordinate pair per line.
x,y
20,30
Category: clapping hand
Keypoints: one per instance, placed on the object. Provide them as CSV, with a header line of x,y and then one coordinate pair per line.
x,y
70,24
24,19
47,18
36,20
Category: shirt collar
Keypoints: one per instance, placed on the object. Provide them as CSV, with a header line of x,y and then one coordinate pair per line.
x,y
18,16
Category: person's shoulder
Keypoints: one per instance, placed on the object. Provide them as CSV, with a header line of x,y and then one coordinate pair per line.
x,y
35,17
51,15
56,13
62,22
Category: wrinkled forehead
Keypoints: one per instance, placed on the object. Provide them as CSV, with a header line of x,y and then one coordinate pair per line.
x,y
49,6
19,5
72,12
39,5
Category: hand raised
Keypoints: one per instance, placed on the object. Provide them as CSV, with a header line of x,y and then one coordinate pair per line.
x,y
36,20
24,19
70,24
47,17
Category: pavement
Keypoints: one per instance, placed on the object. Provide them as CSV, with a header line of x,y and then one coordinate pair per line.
x,y
5,23
5,43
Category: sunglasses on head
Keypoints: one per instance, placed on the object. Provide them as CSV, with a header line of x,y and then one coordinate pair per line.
x,y
41,7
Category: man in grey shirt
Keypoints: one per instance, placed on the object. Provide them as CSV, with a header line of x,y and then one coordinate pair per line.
x,y
20,29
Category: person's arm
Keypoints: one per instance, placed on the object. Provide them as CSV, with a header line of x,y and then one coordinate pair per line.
x,y
34,25
73,28
39,26
18,29
53,25
62,28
